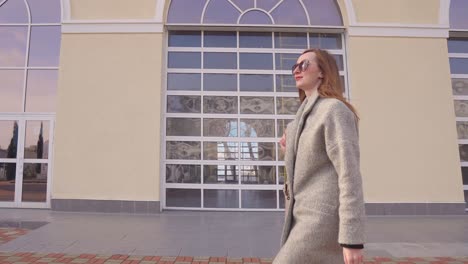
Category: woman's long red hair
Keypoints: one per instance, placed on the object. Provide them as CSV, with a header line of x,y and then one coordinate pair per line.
x,y
331,86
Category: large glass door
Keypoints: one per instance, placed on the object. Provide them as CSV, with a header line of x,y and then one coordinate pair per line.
x,y
25,160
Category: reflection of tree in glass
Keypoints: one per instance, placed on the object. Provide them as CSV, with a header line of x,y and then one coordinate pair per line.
x,y
11,154
40,149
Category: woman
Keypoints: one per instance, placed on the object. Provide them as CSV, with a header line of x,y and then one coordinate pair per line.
x,y
325,207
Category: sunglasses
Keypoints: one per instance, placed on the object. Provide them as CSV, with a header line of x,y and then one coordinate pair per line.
x,y
302,66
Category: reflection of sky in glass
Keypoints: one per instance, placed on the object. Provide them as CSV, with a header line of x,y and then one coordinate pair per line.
x,y
41,90
14,11
6,133
12,45
458,14
45,46
11,90
45,11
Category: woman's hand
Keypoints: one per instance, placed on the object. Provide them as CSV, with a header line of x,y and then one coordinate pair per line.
x,y
352,256
283,142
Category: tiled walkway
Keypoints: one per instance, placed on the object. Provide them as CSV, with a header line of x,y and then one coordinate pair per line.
x,y
8,234
37,258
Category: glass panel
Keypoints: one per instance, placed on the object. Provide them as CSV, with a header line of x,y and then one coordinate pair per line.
x,y
266,5
37,140
282,14
256,105
281,174
7,181
256,83
255,40
220,39
285,61
458,45
220,12
282,124
462,129
220,151
291,40
324,12
465,175
258,175
41,93
220,104
256,61
45,46
8,139
45,11
463,149
281,199
184,81
339,62
177,173
219,82
280,152
183,104
258,199
183,127
13,45
178,11
221,198
13,12
184,150
458,17
34,182
285,83
219,127
220,174
255,17
257,128
466,196
325,41
461,108
219,60
287,105
244,4
11,90
184,38
258,151
183,197
189,60
459,65
460,86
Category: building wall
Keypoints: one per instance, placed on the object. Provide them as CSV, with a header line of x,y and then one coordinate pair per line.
x,y
397,11
112,9
108,118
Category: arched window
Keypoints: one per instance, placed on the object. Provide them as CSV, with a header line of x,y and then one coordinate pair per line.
x,y
230,94
255,12
30,33
458,56
29,55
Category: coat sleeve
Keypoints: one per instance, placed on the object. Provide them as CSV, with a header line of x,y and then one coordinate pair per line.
x,y
342,145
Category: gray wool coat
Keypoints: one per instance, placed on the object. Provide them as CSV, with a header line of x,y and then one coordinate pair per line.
x,y
324,181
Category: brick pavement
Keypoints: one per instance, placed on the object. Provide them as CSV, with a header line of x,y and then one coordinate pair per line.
x,y
8,234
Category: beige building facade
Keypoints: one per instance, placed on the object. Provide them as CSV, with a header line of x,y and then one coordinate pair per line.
x,y
179,105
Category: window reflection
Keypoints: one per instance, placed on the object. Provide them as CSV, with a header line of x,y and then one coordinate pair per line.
x,y
13,12
34,182
37,140
8,139
41,92
7,181
11,90
13,45
45,46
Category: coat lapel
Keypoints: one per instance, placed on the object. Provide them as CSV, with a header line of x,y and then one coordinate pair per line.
x,y
302,118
